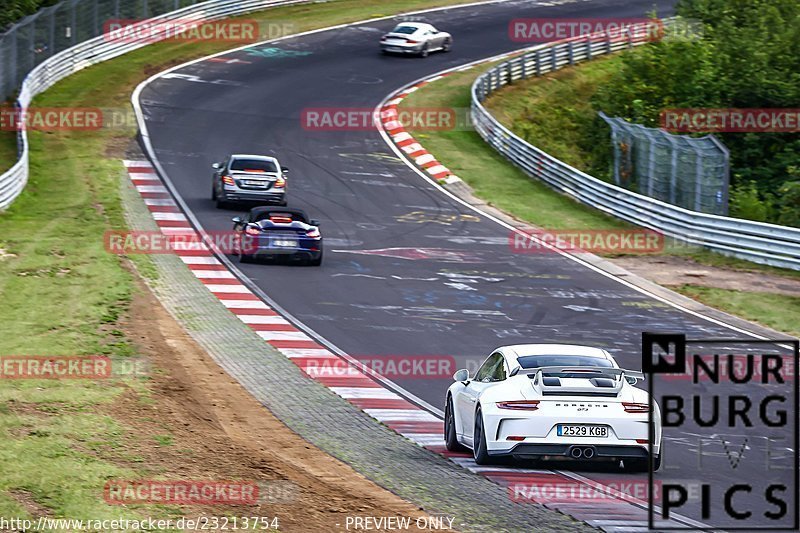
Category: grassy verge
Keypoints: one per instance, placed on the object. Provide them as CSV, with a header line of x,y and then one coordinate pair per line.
x,y
8,149
553,112
63,294
777,311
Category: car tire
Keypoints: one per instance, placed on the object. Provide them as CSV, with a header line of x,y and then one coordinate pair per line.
x,y
447,45
315,262
657,463
214,193
479,452
245,258
221,204
450,438
424,51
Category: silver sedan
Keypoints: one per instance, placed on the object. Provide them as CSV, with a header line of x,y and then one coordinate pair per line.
x,y
416,38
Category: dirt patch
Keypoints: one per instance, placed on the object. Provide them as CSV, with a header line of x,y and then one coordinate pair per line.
x,y
198,423
676,271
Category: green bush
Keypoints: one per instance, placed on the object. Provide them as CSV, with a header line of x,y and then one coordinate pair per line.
x,y
746,202
13,10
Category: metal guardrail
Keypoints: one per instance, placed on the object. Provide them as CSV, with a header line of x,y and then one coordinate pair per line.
x,y
759,242
99,49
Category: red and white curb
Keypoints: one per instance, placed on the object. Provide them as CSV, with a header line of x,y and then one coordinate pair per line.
x,y
596,504
406,142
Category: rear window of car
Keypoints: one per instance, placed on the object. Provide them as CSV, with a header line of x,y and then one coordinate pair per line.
x,y
405,29
253,165
538,361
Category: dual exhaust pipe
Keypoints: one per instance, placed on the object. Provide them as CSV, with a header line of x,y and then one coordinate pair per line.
x,y
581,452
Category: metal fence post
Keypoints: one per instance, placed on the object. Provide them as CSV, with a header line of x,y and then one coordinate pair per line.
x,y
588,47
51,45
524,71
538,59
73,23
553,58
673,176
571,51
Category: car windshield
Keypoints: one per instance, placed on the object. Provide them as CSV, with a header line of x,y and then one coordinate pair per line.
x,y
538,361
408,30
253,165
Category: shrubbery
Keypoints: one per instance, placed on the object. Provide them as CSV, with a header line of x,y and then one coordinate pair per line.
x,y
749,57
13,10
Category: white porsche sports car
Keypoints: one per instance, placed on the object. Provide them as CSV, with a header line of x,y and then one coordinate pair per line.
x,y
532,401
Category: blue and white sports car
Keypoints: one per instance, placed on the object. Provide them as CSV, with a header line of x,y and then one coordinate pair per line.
x,y
275,232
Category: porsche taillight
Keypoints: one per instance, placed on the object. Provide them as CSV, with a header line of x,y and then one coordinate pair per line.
x,y
520,405
251,230
313,233
631,407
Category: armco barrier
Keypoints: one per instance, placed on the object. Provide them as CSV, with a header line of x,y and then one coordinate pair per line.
x,y
755,241
96,50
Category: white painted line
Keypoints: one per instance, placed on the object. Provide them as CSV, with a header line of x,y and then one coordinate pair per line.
x,y
373,393
411,148
238,289
401,415
168,216
299,353
213,274
151,188
243,304
129,163
283,335
199,260
426,439
427,158
159,201
262,319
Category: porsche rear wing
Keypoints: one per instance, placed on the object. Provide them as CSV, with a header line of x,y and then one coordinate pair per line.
x,y
606,382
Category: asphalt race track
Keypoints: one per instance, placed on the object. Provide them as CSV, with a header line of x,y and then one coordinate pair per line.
x,y
450,286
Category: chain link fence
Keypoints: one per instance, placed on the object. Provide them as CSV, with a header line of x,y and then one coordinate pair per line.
x,y
689,172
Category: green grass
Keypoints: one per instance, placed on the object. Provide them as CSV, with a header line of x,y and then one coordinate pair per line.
x,y
63,294
552,112
8,149
777,311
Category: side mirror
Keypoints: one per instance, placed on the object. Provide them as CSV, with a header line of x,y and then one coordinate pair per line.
x,y
237,220
284,170
215,165
461,375
314,222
